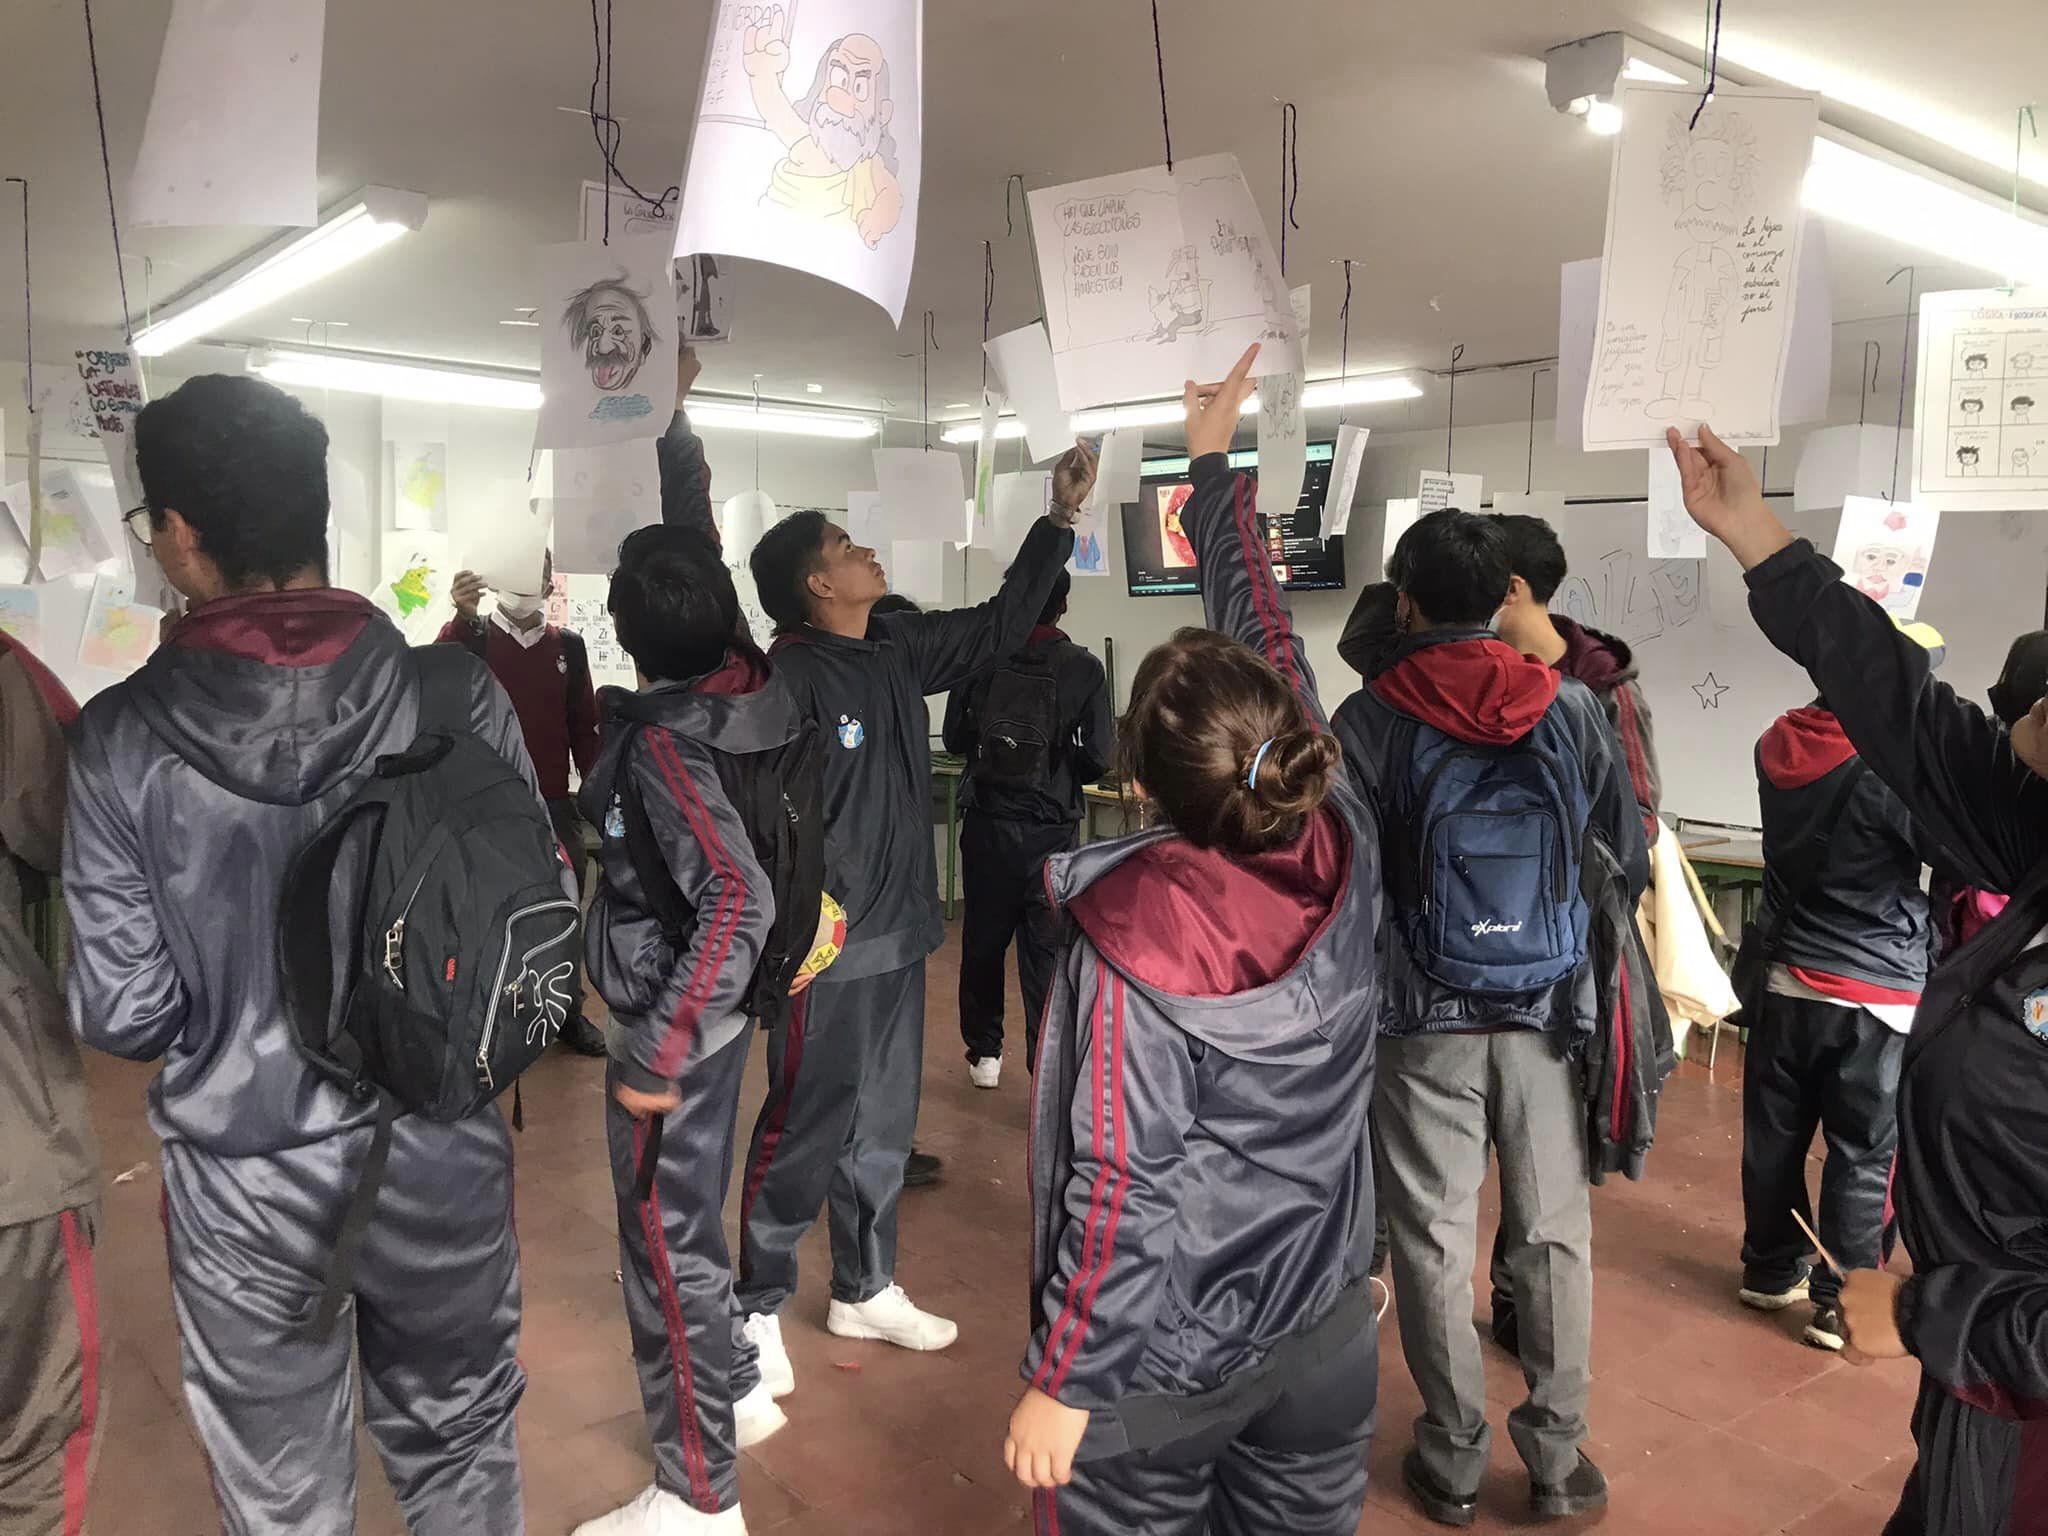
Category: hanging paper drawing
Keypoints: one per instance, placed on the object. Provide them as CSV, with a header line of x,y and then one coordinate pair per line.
x,y
1983,441
606,342
21,616
419,486
809,141
1884,549
119,633
1697,291
414,586
72,541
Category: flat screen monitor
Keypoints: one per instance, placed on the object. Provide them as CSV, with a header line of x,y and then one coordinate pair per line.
x,y
1160,562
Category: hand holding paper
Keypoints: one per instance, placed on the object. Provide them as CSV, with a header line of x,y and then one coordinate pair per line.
x,y
1722,494
1212,409
1072,479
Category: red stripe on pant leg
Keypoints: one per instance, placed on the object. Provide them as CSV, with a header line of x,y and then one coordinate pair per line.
x,y
1121,1159
682,1381
1049,1362
778,1119
85,1301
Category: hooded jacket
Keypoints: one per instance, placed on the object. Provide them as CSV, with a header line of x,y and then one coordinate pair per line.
x,y
1861,931
193,785
1608,667
674,1005
49,1161
1201,1177
1080,752
1472,686
868,697
1972,1174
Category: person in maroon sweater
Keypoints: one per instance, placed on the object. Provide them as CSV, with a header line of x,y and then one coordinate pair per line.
x,y
546,672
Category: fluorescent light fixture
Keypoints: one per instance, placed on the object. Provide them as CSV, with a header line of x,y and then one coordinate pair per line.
x,y
373,218
1603,117
782,420
397,378
1367,389
1639,68
1860,184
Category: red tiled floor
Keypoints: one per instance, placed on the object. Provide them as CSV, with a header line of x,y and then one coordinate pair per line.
x,y
1706,1418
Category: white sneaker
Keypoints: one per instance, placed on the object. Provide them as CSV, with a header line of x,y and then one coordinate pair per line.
x,y
985,1071
888,1315
764,1332
755,1416
659,1513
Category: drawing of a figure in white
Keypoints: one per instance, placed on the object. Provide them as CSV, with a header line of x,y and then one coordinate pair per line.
x,y
1970,407
1710,170
1967,460
2022,462
1977,363
2022,362
2022,410
841,160
1183,304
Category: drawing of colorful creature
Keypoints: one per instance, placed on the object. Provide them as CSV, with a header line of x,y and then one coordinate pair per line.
x,y
840,163
410,590
609,321
1183,304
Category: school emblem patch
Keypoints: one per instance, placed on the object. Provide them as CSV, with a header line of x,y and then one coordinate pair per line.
x,y
851,733
2034,1014
615,820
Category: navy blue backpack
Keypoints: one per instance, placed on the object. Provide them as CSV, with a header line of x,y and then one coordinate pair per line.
x,y
1485,848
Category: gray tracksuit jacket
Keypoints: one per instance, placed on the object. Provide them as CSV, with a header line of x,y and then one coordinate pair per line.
x,y
867,696
1201,1174
673,1005
193,785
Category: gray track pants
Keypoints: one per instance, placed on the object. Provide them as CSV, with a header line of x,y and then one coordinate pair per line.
x,y
693,1362
1438,1101
53,1378
843,1082
435,1318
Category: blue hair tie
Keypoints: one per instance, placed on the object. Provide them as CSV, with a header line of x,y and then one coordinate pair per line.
x,y
1251,780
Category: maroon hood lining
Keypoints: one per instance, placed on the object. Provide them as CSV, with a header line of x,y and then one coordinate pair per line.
x,y
309,627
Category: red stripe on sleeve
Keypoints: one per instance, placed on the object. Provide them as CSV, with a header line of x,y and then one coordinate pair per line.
x,y
682,1030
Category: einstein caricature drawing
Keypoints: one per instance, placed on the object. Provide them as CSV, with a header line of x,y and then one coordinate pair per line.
x,y
840,162
609,321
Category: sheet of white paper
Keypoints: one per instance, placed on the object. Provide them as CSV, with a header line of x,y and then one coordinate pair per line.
x,y
1673,535
866,523
1727,591
1839,462
1697,288
1152,277
1120,467
13,542
1578,307
119,632
349,528
233,130
1022,363
1021,500
114,391
809,141
1981,411
922,493
1810,351
419,486
585,596
21,616
918,571
596,496
983,506
510,558
703,282
1884,549
1283,424
413,584
72,540
1436,490
608,342
1346,460
1403,513
1548,505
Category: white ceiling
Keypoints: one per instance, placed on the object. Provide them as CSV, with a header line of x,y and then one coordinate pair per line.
x,y
1428,153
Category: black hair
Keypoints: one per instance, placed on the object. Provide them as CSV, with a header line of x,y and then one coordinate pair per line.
x,y
673,604
783,562
245,465
1453,566
893,602
1534,553
2023,402
1056,600
2023,679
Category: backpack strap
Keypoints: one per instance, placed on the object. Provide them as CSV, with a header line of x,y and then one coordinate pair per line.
x,y
444,681
355,1219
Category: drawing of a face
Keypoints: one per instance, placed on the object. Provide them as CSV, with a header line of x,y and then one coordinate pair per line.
x,y
1184,281
2021,459
1712,165
1976,362
1966,459
1707,171
1971,406
2022,407
848,108
2024,362
1877,567
610,322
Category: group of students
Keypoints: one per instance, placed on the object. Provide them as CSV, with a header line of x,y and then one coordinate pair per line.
x,y
1351,952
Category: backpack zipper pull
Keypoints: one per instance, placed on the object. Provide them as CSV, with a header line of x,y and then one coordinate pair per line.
x,y
394,952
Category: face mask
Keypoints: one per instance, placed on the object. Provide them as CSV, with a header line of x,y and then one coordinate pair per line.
x,y
518,605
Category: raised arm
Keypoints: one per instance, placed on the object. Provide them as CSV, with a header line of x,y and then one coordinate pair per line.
x,y
1095,735
679,456
1960,774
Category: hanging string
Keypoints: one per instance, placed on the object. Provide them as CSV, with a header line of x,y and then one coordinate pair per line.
x,y
28,298
1451,419
1159,53
2023,124
1868,381
988,308
1713,50
605,129
1015,182
757,432
1905,362
1529,470
931,345
1344,348
1290,174
99,108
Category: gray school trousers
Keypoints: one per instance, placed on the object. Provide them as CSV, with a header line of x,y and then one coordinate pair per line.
x,y
1439,1100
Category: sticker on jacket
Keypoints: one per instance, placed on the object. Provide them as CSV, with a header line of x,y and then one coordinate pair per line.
x,y
851,733
2034,1014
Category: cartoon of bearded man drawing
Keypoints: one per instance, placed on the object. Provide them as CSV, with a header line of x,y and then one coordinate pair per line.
x,y
609,321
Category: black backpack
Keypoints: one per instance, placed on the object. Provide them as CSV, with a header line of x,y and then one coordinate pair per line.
x,y
425,947
1017,724
779,795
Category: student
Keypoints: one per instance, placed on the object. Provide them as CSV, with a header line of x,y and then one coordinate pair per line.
x,y
680,1029
193,785
1962,911
843,1082
1475,1042
545,672
1034,731
1972,1179
1203,1353
53,1381
1833,967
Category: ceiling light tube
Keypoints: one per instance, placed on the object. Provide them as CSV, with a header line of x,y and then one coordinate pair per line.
x,y
1368,389
397,378
783,420
370,220
1858,183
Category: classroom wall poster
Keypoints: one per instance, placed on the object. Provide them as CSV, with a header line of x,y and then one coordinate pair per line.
x,y
1697,295
1981,410
413,585
1153,277
809,141
588,616
1884,549
21,616
72,540
419,486
119,632
608,342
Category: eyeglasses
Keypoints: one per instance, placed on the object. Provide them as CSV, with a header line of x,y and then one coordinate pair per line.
x,y
143,531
